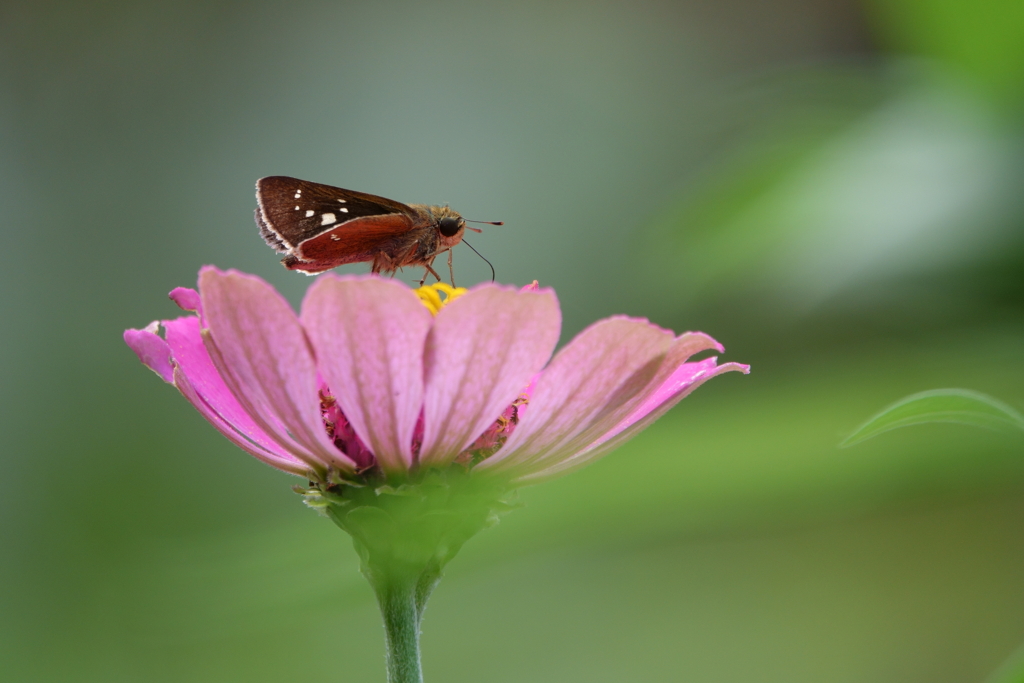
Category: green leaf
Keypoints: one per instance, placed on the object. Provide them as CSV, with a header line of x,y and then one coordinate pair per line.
x,y
962,406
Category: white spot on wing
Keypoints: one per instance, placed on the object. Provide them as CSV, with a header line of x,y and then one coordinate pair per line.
x,y
344,209
342,201
335,238
298,193
328,218
296,208
309,212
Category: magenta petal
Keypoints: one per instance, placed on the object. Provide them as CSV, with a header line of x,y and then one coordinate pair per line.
x,y
206,390
677,386
680,385
590,385
280,460
480,355
369,335
674,375
676,379
260,350
151,350
186,299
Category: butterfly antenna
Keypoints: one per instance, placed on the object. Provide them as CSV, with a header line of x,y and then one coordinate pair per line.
x,y
481,255
470,227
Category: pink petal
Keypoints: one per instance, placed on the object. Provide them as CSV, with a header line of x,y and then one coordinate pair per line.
x,y
260,350
672,375
186,299
200,383
591,385
369,335
679,385
480,355
151,350
677,379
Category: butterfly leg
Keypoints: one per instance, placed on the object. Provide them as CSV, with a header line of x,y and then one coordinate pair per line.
x,y
451,271
430,271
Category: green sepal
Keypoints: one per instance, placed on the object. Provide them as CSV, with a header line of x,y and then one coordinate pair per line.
x,y
411,529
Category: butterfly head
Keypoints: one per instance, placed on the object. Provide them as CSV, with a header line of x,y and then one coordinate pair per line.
x,y
449,224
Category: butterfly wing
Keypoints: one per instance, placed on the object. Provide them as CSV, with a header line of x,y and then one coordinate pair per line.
x,y
291,211
356,240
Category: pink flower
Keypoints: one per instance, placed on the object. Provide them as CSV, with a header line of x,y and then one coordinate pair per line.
x,y
367,381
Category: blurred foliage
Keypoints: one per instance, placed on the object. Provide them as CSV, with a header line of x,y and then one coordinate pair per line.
x,y
900,213
981,40
1012,671
831,190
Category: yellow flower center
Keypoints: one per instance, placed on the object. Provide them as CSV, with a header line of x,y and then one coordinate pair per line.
x,y
430,295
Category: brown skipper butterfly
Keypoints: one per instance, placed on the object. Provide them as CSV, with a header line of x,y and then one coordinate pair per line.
x,y
318,227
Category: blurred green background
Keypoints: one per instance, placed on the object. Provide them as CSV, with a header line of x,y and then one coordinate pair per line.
x,y
830,188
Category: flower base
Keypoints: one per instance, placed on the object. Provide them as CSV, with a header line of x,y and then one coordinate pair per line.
x,y
405,535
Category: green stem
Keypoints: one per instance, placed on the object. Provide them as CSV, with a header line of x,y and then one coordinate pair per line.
x,y
405,533
399,605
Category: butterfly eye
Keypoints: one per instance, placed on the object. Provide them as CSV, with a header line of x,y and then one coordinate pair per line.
x,y
449,226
